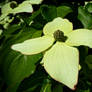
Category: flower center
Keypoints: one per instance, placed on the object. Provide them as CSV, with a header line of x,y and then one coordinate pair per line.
x,y
59,36
13,5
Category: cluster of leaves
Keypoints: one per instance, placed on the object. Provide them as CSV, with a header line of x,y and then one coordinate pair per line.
x,y
21,73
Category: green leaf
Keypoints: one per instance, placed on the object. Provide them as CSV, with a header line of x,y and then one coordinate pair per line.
x,y
62,11
36,34
20,67
48,12
36,80
12,29
16,66
88,61
27,33
85,17
83,90
89,7
46,87
58,88
31,18
83,53
0,31
38,21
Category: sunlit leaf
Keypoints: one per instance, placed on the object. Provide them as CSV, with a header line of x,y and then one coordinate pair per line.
x,y
62,11
89,7
85,17
0,31
46,87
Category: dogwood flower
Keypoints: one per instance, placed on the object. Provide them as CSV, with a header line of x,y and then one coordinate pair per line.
x,y
13,8
61,58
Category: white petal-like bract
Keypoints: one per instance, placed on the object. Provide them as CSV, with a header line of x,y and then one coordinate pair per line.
x,y
62,64
34,46
80,37
58,23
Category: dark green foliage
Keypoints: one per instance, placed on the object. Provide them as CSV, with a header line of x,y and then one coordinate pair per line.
x,y
22,73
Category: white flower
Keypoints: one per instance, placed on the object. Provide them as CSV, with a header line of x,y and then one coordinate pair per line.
x,y
25,6
61,59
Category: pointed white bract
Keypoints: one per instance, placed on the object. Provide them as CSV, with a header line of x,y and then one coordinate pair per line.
x,y
61,62
23,7
80,37
34,46
58,24
35,1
